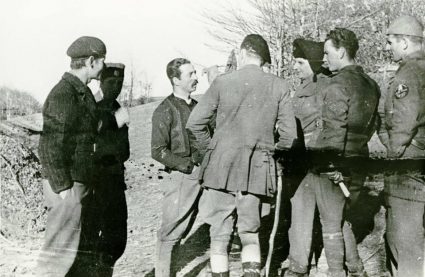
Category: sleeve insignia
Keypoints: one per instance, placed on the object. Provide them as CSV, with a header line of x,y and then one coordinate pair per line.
x,y
401,91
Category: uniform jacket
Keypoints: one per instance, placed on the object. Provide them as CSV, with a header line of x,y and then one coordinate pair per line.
x,y
404,119
349,112
70,124
170,143
112,145
307,104
248,104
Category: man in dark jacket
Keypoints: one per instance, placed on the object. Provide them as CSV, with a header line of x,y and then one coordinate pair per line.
x,y
171,147
112,151
349,115
238,168
66,150
403,133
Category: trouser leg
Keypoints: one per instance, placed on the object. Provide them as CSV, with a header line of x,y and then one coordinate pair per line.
x,y
63,230
405,235
217,208
113,226
248,207
354,213
181,196
330,201
301,230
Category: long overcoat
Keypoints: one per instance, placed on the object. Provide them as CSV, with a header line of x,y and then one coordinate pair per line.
x,y
249,104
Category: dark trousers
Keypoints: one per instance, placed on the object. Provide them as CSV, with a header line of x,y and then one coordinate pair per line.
x,y
179,207
111,206
405,223
69,238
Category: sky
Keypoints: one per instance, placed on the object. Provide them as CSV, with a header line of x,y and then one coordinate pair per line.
x,y
143,34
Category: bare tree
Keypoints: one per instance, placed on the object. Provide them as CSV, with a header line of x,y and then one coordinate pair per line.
x,y
281,21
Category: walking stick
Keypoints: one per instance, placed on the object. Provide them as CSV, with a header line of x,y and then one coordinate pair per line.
x,y
275,225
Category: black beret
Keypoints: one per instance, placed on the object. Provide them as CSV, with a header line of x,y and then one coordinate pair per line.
x,y
258,45
85,47
113,70
310,50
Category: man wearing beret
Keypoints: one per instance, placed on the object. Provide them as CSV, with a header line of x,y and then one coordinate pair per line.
x,y
307,104
238,168
66,148
403,133
112,150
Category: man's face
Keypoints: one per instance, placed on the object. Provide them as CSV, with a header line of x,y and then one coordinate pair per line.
x,y
302,68
188,79
97,67
111,87
332,56
396,46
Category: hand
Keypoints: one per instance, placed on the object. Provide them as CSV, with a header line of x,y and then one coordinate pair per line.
x,y
186,168
335,176
122,117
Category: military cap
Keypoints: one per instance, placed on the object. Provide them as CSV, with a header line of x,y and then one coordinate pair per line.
x,y
258,45
406,25
310,50
85,47
113,70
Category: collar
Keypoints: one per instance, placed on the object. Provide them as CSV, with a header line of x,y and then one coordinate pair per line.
x,y
352,67
83,91
417,55
188,101
76,83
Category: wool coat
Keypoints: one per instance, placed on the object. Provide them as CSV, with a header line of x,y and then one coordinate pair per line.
x,y
249,104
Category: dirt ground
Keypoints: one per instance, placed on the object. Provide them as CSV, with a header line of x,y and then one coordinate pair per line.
x,y
143,177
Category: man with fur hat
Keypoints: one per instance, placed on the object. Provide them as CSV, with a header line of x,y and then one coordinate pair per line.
x,y
307,103
403,133
67,146
238,168
113,149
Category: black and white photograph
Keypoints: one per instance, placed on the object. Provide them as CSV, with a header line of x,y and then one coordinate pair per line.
x,y
226,138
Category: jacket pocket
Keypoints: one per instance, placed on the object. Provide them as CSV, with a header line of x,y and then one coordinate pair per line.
x,y
263,169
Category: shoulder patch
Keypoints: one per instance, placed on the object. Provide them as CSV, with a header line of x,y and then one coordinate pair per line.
x,y
401,91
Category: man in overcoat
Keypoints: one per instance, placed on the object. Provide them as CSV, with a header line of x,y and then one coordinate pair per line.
x,y
66,149
403,133
238,168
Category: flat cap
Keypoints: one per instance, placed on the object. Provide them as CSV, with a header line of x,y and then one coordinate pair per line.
x,y
115,70
406,25
310,50
85,46
258,45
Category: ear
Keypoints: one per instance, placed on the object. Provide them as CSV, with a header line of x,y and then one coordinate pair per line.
x,y
404,43
90,61
341,52
176,81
